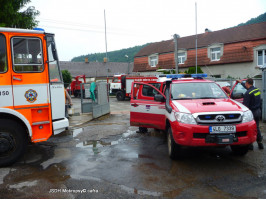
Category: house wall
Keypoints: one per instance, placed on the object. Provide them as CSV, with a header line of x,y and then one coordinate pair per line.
x,y
239,60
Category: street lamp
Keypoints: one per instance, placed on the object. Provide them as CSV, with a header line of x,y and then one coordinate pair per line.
x,y
127,63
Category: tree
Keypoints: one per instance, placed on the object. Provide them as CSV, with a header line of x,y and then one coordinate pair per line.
x,y
11,14
192,70
67,78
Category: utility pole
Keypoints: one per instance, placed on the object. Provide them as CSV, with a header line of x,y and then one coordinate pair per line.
x,y
176,52
106,45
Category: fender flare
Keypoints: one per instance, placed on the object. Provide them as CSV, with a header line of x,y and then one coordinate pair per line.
x,y
19,116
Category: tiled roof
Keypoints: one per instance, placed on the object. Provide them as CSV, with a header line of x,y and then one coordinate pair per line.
x,y
95,69
225,36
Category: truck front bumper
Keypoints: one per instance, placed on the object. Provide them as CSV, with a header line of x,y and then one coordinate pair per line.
x,y
199,135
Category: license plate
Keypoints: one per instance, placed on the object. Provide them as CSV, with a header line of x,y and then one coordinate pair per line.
x,y
222,129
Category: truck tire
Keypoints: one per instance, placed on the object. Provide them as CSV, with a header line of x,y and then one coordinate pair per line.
x,y
120,96
173,148
123,82
240,150
13,141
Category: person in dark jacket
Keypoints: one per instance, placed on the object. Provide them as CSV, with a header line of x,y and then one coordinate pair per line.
x,y
252,100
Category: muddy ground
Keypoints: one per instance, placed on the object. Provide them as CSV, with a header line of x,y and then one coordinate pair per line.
x,y
106,158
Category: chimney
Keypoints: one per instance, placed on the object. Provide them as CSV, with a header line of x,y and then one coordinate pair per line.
x,y
207,30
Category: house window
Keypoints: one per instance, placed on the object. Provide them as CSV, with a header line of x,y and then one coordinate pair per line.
x,y
181,58
215,53
153,60
261,57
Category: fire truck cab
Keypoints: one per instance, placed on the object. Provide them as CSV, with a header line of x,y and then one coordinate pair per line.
x,y
32,99
193,112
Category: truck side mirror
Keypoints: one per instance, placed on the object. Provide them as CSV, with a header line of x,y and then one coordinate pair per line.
x,y
159,97
237,95
54,51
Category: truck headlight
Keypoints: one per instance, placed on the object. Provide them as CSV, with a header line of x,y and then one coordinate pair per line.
x,y
247,116
185,118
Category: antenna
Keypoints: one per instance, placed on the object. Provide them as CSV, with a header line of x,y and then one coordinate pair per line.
x,y
196,38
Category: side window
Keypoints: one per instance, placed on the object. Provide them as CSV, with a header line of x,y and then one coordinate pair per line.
x,y
3,57
149,91
27,54
239,89
54,70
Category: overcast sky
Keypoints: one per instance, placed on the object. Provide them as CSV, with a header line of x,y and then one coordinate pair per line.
x,y
78,25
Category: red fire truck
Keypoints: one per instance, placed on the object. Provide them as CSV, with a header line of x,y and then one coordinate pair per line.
x,y
75,86
194,112
121,84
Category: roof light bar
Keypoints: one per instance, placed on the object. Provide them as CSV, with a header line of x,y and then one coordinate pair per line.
x,y
199,75
176,76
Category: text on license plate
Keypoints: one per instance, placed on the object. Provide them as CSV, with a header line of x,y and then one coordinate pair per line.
x,y
222,129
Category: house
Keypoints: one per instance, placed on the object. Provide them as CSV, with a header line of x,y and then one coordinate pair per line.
x,y
99,70
236,52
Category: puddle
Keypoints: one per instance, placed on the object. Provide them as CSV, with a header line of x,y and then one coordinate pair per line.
x,y
129,133
24,184
77,131
140,192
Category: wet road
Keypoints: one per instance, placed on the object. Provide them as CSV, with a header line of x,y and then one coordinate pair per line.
x,y
108,159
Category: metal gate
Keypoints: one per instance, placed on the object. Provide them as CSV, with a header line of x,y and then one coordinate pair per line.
x,y
95,98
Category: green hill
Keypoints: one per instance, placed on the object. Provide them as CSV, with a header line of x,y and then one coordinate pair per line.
x,y
260,18
113,56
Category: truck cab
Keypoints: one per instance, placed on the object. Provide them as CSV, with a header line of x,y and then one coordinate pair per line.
x,y
193,112
32,100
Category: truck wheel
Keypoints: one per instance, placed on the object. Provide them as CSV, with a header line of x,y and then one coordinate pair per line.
x,y
120,96
240,150
13,141
173,148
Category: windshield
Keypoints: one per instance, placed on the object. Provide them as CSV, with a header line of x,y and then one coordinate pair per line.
x,y
194,90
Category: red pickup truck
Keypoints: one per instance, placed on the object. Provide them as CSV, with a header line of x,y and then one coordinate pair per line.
x,y
193,112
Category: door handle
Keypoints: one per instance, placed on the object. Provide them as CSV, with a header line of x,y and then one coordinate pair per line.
x,y
134,104
17,79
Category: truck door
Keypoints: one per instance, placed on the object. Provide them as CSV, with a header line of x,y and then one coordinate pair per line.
x,y
6,99
56,81
30,83
238,91
144,110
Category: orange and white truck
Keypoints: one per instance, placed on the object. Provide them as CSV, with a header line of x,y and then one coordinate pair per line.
x,y
32,100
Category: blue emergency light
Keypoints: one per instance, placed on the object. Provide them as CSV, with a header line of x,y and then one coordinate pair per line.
x,y
38,29
176,76
199,75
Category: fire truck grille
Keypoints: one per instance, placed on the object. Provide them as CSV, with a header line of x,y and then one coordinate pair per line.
x,y
204,135
219,118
